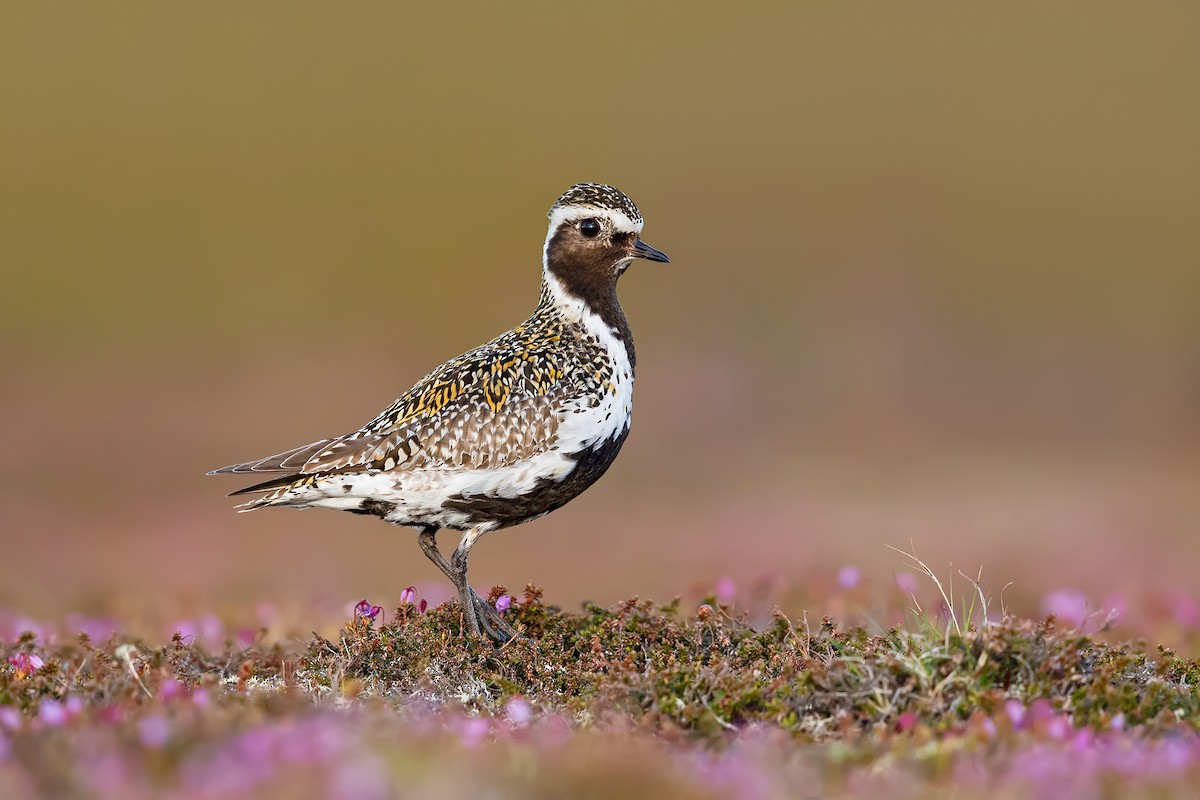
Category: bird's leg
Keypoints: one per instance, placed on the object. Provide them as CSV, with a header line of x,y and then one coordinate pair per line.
x,y
428,541
466,595
490,619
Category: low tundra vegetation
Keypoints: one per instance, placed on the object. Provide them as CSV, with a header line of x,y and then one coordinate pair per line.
x,y
636,699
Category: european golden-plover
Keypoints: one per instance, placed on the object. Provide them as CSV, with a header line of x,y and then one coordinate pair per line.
x,y
507,432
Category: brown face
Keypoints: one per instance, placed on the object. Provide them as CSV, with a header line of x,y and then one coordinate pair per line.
x,y
588,253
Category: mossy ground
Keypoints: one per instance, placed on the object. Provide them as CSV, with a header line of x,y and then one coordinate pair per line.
x,y
635,699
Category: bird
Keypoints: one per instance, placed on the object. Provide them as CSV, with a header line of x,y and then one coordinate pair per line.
x,y
505,433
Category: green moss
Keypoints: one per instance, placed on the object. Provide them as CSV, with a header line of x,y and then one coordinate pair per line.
x,y
704,674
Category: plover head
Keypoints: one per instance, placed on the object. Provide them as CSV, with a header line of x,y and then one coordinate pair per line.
x,y
593,238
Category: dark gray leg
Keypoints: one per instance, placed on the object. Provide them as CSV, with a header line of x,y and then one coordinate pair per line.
x,y
478,613
487,617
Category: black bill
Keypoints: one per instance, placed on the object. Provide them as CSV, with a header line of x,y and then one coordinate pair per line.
x,y
643,250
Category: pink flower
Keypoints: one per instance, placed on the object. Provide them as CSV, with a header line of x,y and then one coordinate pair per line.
x,y
989,727
519,711
26,663
474,731
726,590
503,603
1185,610
906,582
52,713
153,731
10,718
1116,604
1067,605
848,577
1058,727
1015,710
212,631
409,595
110,715
906,721
188,631
1042,711
170,689
422,606
366,610
267,613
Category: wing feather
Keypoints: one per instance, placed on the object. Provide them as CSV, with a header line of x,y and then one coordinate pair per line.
x,y
495,405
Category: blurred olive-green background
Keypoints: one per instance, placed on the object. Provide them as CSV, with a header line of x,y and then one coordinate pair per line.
x,y
935,277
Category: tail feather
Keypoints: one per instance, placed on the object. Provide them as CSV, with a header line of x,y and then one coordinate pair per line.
x,y
288,461
266,486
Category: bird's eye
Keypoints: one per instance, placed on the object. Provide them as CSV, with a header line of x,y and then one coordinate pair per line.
x,y
590,228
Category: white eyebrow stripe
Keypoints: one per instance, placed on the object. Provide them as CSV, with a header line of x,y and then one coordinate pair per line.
x,y
619,220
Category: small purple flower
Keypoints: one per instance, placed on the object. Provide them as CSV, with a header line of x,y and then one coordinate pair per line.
x,y
267,613
906,582
906,721
1041,711
1185,610
503,603
1015,710
554,731
110,715
848,577
10,718
52,713
97,629
1116,604
409,595
366,610
73,705
170,689
153,731
1117,723
519,711
26,663
1058,727
1067,605
188,631
212,631
422,606
474,731
726,590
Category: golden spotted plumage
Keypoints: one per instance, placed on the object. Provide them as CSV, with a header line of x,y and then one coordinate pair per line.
x,y
490,407
507,432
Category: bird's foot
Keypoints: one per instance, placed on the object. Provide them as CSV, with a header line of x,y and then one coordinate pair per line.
x,y
481,617
490,620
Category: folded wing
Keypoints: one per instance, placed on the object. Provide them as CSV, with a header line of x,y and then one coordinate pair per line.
x,y
488,408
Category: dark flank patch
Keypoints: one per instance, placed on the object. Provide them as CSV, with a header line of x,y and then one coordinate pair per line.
x,y
546,496
376,508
